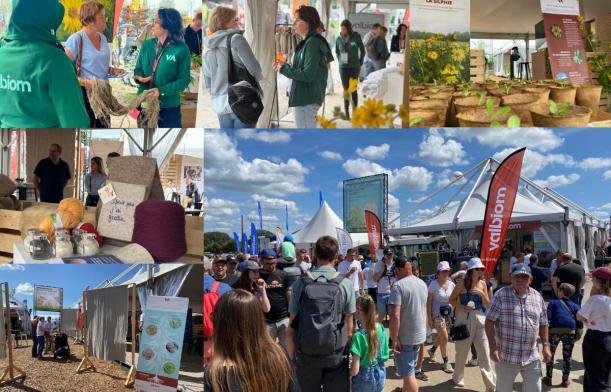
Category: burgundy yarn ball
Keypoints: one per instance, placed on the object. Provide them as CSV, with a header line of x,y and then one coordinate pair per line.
x,y
159,226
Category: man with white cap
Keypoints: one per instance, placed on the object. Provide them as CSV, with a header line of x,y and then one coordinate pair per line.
x,y
439,312
516,317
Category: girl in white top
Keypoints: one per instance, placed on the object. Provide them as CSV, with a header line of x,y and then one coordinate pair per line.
x,y
439,312
596,316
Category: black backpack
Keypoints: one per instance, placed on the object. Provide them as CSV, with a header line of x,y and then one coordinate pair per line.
x,y
243,91
321,333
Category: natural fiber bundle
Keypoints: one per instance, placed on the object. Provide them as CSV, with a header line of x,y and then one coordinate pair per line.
x,y
56,221
104,104
7,186
89,228
159,226
73,207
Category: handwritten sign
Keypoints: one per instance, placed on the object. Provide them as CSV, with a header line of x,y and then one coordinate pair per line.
x,y
116,218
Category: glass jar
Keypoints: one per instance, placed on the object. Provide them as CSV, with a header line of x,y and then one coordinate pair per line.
x,y
63,246
29,237
88,246
77,236
40,247
63,232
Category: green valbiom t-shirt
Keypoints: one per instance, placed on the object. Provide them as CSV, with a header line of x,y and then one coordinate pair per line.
x,y
360,346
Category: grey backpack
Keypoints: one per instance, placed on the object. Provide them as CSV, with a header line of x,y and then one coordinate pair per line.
x,y
321,333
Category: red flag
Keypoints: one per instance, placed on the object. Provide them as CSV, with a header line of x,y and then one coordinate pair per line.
x,y
499,206
374,232
80,317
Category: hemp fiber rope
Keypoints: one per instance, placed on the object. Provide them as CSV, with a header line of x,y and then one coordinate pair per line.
x,y
104,104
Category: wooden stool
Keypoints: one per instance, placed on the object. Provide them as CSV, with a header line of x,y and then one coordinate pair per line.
x,y
526,67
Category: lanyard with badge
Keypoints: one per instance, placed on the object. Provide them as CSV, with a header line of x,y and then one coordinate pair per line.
x,y
158,53
344,54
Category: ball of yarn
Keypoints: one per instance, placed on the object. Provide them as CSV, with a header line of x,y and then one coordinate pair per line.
x,y
159,226
89,228
56,221
74,207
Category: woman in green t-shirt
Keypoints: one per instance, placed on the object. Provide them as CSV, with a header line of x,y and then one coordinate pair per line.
x,y
369,349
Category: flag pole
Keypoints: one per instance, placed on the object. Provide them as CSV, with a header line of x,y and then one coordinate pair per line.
x,y
13,372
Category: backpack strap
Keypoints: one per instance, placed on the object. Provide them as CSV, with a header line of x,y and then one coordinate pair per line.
x,y
215,287
231,71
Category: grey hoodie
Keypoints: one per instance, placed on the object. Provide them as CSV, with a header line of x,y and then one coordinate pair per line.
x,y
216,63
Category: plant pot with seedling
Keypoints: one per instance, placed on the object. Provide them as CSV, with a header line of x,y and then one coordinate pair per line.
x,y
485,117
428,118
521,104
437,105
542,92
466,103
560,115
588,95
562,93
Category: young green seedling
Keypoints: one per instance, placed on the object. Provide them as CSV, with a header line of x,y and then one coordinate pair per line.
x,y
559,110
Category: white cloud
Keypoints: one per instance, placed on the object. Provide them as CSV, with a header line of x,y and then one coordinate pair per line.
x,y
437,151
607,175
12,267
595,163
374,152
542,139
535,161
446,176
393,203
219,208
412,178
264,136
608,205
332,155
274,203
417,200
254,216
25,288
561,180
226,169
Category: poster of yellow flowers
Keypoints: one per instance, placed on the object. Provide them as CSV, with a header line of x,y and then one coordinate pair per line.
x,y
440,55
72,23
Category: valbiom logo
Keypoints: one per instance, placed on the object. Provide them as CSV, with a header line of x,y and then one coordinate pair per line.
x,y
495,226
20,86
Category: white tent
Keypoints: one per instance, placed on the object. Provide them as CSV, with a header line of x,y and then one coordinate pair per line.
x,y
325,222
458,220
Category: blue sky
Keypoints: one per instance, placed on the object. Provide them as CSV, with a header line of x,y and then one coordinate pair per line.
x,y
72,278
290,167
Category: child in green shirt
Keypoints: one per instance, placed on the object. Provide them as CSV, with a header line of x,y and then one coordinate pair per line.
x,y
369,349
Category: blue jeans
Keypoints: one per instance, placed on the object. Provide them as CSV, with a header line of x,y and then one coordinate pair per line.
x,y
41,345
382,304
305,116
368,68
405,361
170,118
370,379
231,121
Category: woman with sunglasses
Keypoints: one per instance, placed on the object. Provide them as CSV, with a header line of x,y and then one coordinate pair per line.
x,y
164,66
470,299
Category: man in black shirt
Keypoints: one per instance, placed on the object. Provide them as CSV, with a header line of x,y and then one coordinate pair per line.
x,y
192,193
219,273
193,35
572,273
51,176
279,295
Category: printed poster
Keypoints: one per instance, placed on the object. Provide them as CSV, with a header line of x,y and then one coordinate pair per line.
x,y
48,298
365,193
566,51
439,41
161,344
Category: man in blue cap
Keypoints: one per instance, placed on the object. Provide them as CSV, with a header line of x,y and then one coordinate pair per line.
x,y
516,316
278,290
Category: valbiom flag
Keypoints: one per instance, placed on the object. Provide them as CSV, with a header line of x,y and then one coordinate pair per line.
x,y
374,233
236,239
499,206
254,240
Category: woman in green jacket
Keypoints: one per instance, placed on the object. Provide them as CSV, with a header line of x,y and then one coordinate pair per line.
x,y
164,66
309,69
350,54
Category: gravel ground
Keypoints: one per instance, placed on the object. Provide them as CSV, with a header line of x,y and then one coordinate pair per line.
x,y
60,376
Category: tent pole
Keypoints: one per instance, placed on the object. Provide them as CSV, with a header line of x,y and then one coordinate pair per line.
x,y
86,363
406,77
12,371
131,376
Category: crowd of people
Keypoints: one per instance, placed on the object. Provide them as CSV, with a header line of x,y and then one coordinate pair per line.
x,y
324,324
308,71
56,76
